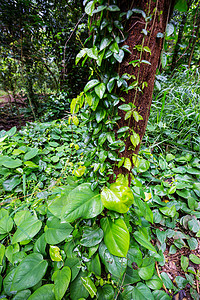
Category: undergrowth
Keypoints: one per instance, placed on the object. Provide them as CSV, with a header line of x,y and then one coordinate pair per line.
x,y
61,232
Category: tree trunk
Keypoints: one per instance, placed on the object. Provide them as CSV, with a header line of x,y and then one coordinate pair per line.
x,y
160,11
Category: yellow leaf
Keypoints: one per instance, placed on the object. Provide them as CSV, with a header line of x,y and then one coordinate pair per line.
x,y
147,196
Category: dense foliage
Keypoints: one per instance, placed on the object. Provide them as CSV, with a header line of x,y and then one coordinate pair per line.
x,y
70,228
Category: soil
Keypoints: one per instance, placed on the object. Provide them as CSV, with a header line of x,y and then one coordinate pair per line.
x,y
12,112
173,268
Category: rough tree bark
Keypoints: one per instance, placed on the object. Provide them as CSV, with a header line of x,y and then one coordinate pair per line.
x,y
161,11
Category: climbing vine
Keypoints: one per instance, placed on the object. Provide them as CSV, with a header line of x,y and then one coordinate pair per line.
x,y
103,94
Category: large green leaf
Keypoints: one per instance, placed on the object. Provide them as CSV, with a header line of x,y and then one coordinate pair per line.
x,y
77,289
142,292
142,240
31,153
147,269
89,285
82,202
12,163
22,295
6,224
57,205
11,183
45,292
118,197
91,236
27,229
91,84
29,272
100,90
114,264
106,292
57,231
116,236
61,282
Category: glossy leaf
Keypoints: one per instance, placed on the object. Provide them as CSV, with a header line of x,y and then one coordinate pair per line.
x,y
118,197
54,253
147,269
27,229
114,264
57,231
141,239
91,84
100,90
61,280
29,272
30,154
45,292
116,236
91,237
89,285
82,202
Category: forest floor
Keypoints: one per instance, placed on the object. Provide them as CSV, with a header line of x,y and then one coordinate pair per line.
x,y
11,112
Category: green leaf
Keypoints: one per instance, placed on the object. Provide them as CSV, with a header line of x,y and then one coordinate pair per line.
x,y
30,154
2,252
155,283
100,90
114,47
131,276
105,42
116,236
125,107
90,8
89,285
195,259
91,84
100,114
12,163
77,289
127,163
135,139
167,281
61,280
168,211
142,292
27,229
82,202
91,236
143,165
23,295
134,256
161,295
144,209
105,292
6,224
29,272
81,54
147,269
57,231
169,29
113,8
142,240
119,56
118,197
181,5
45,292
184,263
74,264
10,184
115,265
94,265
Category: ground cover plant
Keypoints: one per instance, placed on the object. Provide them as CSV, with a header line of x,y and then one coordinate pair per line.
x,y
85,214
